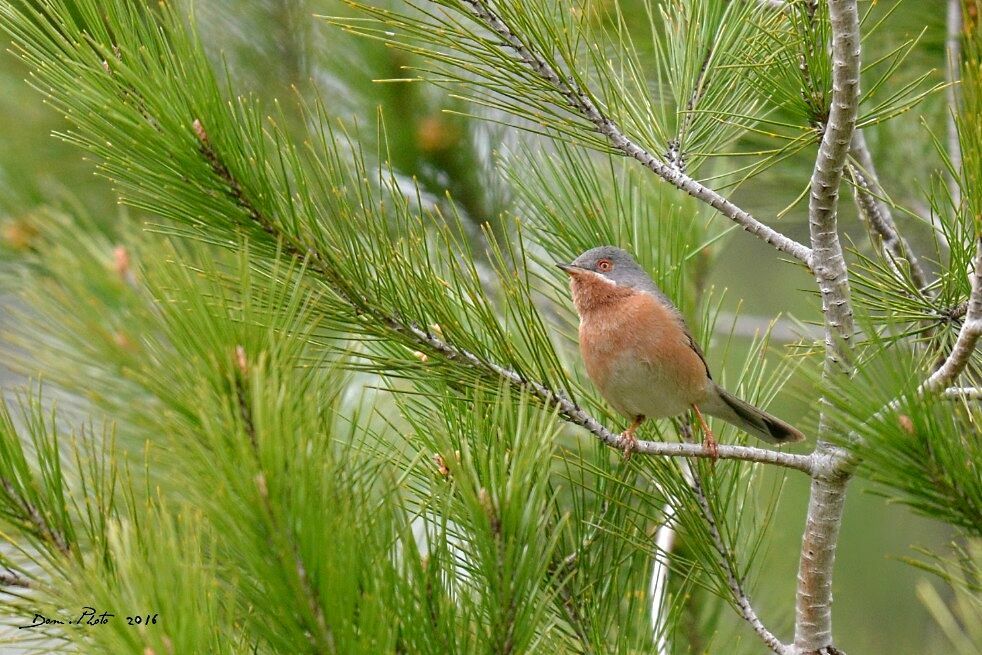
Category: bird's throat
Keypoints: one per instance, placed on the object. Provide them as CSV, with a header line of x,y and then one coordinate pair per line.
x,y
592,292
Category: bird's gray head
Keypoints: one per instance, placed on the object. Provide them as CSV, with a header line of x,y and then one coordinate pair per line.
x,y
615,264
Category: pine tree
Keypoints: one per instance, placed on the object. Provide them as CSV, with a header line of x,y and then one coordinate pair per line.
x,y
316,389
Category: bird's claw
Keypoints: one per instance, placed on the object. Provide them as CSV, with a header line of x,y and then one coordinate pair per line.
x,y
708,440
710,446
628,442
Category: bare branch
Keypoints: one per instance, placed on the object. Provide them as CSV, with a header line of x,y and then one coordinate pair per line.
x,y
579,101
869,195
828,262
958,358
813,616
813,620
963,393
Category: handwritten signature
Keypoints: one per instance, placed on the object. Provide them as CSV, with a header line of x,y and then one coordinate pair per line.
x,y
89,616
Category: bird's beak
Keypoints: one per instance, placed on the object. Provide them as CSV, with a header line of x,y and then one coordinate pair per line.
x,y
568,268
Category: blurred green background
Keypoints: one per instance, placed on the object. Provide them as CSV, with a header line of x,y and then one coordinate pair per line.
x,y
273,47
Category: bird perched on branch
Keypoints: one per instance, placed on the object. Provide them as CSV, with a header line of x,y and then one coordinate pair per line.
x,y
642,357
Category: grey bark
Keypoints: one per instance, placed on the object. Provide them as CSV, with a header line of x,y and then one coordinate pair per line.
x,y
813,616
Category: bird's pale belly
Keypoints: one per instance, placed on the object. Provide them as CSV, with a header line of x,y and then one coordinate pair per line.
x,y
635,387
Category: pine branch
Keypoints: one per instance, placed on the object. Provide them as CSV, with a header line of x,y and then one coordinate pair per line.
x,y
320,635
813,616
33,515
953,365
829,469
870,194
570,412
828,262
579,101
567,408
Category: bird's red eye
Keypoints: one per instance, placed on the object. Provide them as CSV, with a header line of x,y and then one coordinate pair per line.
x,y
604,265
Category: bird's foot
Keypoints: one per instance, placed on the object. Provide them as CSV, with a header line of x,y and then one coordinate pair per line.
x,y
710,446
708,440
628,442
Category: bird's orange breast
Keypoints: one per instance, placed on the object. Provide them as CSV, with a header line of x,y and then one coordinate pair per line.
x,y
636,349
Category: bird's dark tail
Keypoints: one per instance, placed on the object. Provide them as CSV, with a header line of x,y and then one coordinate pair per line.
x,y
754,421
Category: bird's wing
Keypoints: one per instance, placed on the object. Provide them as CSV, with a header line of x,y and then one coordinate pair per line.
x,y
660,296
697,349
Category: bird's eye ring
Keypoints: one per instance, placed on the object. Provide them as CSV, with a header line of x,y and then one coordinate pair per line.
x,y
604,265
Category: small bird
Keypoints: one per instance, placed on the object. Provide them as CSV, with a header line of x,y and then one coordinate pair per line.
x,y
642,357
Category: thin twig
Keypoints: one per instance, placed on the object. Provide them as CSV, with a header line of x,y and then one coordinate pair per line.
x,y
568,410
732,579
665,538
677,159
740,597
580,102
10,578
869,195
319,634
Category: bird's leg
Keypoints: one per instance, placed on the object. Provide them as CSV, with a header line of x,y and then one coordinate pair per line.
x,y
708,441
628,440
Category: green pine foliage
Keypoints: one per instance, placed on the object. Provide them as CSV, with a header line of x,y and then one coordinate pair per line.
x,y
297,395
